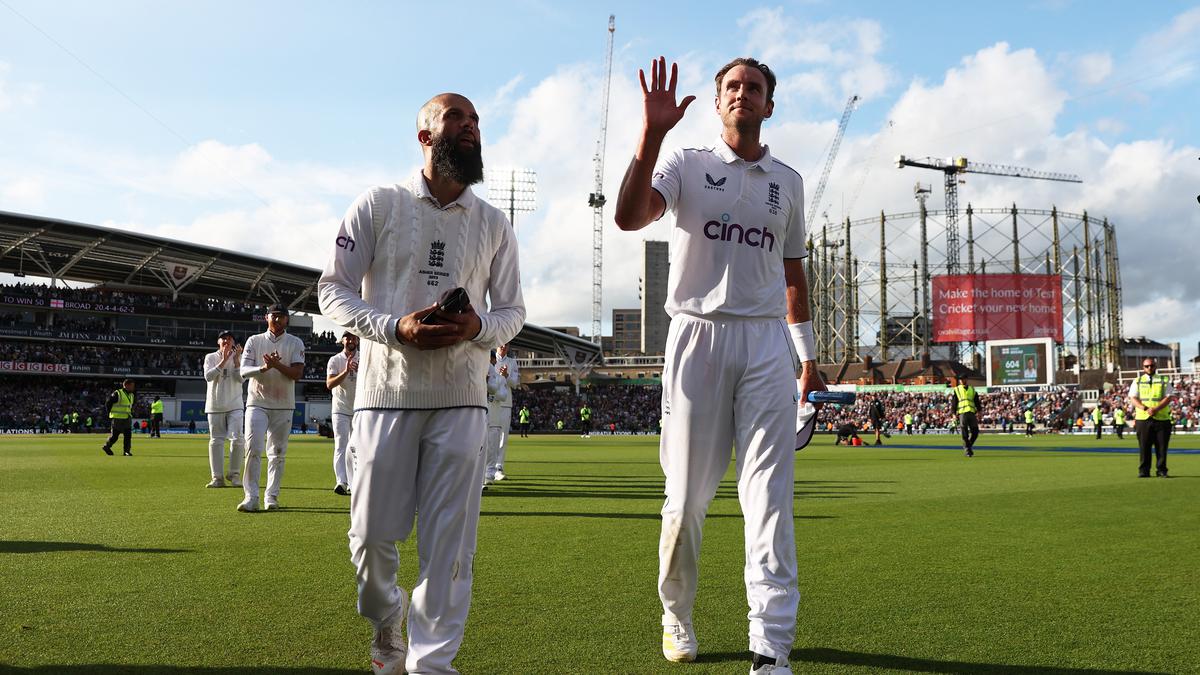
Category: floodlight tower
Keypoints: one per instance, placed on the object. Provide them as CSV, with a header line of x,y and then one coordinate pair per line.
x,y
596,199
513,190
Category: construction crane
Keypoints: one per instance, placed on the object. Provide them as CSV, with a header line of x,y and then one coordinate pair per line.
x,y
960,165
815,202
596,199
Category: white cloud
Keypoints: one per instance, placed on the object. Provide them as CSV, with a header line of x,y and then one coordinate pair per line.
x,y
1092,69
1169,56
834,51
24,193
11,94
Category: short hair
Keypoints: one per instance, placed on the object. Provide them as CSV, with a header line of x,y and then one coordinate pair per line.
x,y
749,63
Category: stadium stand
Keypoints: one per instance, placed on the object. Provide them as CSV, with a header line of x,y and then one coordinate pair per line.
x,y
118,304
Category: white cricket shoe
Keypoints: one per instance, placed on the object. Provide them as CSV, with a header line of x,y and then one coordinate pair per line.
x,y
248,505
500,475
234,480
765,665
679,644
388,647
215,483
272,504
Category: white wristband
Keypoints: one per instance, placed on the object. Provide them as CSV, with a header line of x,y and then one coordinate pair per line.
x,y
802,338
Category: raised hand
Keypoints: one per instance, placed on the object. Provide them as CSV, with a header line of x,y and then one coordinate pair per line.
x,y
660,111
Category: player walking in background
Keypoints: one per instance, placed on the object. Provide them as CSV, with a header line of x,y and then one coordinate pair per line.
x,y
965,402
1150,394
272,361
730,371
341,378
223,406
120,413
421,424
503,377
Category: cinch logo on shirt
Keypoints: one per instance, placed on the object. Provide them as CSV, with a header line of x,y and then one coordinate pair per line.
x,y
751,236
713,183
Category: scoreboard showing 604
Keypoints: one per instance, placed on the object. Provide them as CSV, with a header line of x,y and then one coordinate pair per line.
x,y
1020,362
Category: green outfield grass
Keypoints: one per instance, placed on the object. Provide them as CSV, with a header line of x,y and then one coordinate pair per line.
x,y
1028,559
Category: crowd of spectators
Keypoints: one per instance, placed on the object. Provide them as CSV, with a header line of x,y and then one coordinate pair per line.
x,y
115,297
40,403
637,409
626,409
110,356
113,356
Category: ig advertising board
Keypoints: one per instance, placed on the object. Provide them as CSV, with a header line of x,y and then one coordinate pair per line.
x,y
979,307
1020,362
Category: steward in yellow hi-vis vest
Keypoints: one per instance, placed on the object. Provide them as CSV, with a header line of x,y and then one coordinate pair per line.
x,y
120,414
156,418
1151,394
966,404
1119,422
1098,420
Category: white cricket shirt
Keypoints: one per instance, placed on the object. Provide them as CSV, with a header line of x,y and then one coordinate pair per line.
x,y
735,222
343,394
224,384
271,390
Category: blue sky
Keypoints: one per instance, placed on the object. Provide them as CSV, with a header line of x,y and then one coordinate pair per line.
x,y
206,121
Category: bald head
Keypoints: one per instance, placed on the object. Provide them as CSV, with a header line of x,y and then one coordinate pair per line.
x,y
432,110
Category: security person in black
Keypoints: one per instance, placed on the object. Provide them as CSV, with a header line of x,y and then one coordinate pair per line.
x,y
876,414
966,406
120,412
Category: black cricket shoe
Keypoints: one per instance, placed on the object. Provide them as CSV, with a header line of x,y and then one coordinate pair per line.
x,y
1161,474
341,490
127,453
106,450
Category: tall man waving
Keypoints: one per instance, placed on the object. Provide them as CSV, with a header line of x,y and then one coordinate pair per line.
x,y
732,362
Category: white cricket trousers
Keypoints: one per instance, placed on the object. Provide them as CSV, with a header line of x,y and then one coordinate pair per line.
x,y
269,428
499,420
410,462
343,451
731,382
226,426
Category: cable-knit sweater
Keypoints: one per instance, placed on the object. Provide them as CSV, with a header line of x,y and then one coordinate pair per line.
x,y
404,251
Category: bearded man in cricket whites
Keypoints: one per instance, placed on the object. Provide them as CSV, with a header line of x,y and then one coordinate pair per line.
x,y
729,377
421,407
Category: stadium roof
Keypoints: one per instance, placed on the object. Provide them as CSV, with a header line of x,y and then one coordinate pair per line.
x,y
68,251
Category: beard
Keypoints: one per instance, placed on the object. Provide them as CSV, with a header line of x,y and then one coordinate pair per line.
x,y
461,165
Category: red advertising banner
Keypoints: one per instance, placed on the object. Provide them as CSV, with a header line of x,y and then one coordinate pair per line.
x,y
978,307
